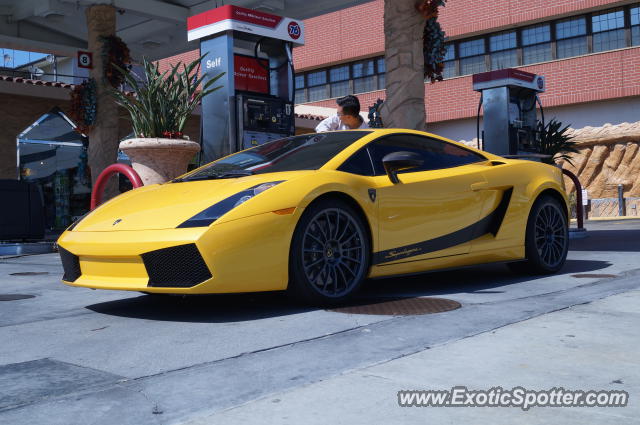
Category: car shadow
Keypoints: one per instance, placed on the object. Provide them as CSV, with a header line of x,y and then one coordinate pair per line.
x,y
225,308
482,279
627,240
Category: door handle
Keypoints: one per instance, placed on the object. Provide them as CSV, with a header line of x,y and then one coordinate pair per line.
x,y
479,186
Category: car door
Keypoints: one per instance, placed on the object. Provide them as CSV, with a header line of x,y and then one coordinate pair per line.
x,y
435,209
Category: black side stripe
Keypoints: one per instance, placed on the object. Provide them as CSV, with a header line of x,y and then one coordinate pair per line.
x,y
490,224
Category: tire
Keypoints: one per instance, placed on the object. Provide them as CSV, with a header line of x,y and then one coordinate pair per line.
x,y
546,239
330,254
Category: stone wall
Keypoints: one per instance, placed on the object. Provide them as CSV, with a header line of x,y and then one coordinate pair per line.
x,y
609,156
608,207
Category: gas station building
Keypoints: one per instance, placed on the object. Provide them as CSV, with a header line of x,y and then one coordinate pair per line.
x,y
588,53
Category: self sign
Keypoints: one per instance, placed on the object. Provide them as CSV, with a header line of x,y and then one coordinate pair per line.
x,y
85,59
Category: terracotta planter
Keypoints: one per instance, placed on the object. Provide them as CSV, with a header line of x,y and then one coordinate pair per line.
x,y
159,160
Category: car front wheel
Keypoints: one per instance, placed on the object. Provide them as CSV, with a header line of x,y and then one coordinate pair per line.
x,y
329,256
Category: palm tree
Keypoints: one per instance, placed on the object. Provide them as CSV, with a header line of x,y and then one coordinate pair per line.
x,y
406,34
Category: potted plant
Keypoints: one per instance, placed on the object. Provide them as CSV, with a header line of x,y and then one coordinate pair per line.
x,y
159,108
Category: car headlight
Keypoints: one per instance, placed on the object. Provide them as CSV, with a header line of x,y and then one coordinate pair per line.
x,y
214,212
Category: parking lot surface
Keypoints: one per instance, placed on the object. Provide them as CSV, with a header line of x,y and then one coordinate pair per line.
x,y
74,355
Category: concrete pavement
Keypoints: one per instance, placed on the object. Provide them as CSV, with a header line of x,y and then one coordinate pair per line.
x,y
591,346
72,355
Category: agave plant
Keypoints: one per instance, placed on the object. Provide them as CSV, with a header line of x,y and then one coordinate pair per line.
x,y
163,102
555,141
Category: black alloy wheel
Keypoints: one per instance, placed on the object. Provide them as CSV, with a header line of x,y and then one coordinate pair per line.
x,y
329,256
547,238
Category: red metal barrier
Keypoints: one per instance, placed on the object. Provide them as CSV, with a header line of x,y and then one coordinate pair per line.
x,y
579,206
101,181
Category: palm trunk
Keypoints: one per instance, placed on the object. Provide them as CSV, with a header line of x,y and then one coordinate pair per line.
x,y
103,140
403,30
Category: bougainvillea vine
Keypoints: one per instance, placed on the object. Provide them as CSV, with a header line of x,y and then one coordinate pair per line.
x,y
115,52
433,40
84,106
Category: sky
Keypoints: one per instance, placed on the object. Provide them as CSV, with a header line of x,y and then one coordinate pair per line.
x,y
10,58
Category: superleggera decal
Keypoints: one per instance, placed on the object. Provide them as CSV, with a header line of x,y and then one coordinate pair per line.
x,y
490,224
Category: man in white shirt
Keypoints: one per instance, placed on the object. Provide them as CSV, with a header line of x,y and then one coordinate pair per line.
x,y
347,118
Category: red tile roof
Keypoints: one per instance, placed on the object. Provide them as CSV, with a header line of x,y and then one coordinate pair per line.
x,y
21,80
35,82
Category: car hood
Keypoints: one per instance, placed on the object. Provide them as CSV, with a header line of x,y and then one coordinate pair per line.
x,y
166,206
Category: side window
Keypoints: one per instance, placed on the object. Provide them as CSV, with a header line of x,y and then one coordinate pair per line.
x,y
437,154
358,163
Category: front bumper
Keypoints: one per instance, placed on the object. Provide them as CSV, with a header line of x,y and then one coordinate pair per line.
x,y
245,255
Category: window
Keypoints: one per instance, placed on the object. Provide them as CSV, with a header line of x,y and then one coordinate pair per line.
x,y
304,152
339,77
635,26
572,38
316,81
504,41
382,68
449,61
317,78
472,57
571,28
358,163
536,42
608,31
363,77
437,154
341,80
362,69
300,95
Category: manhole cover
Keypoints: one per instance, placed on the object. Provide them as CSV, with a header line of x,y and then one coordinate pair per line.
x,y
29,273
399,307
593,275
14,297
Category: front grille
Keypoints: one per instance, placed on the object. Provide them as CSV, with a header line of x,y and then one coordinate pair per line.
x,y
178,267
71,265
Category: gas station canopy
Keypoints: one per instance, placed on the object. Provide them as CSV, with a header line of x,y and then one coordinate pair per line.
x,y
153,28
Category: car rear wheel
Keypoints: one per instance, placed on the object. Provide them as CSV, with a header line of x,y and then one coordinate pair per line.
x,y
329,256
547,238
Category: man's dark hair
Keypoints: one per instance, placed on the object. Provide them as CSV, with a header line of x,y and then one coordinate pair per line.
x,y
350,105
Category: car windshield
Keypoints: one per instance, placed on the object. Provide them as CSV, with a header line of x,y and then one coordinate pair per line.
x,y
306,152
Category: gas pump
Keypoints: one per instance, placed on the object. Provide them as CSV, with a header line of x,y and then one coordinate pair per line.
x,y
510,122
254,103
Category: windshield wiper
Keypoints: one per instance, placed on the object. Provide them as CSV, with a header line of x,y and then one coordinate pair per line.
x,y
225,175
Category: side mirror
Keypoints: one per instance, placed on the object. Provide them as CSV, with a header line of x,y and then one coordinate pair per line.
x,y
399,161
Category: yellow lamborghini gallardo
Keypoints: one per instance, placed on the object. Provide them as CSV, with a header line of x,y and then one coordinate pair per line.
x,y
316,214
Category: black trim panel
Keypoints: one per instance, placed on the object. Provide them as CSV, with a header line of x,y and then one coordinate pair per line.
x,y
70,264
490,224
